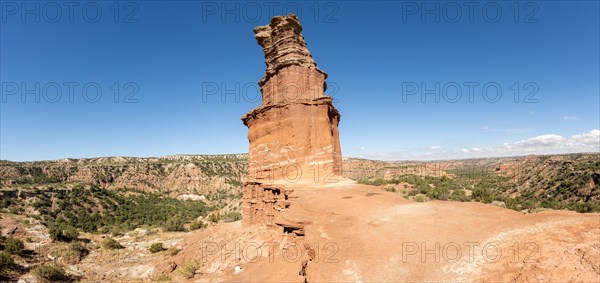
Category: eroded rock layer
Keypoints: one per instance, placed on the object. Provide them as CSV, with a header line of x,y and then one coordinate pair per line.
x,y
293,135
261,203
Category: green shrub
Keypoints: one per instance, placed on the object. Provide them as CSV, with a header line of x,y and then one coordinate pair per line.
x,y
90,209
6,202
70,233
459,195
174,225
376,182
232,216
78,250
50,272
16,210
14,245
156,247
172,251
111,244
189,270
162,278
5,260
54,232
420,198
390,189
62,232
197,224
214,217
438,193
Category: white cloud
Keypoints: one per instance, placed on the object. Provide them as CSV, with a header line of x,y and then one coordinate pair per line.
x,y
543,144
591,138
541,141
569,118
551,143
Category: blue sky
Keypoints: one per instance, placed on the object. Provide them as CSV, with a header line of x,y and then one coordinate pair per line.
x,y
166,57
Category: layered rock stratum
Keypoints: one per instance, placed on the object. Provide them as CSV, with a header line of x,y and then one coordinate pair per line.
x,y
293,135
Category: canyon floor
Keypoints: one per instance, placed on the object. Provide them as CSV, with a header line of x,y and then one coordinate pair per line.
x,y
357,233
360,233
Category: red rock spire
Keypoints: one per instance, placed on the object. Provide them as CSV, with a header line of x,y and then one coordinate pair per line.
x,y
291,73
294,133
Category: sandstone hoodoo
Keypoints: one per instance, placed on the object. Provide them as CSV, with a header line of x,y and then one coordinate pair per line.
x,y
293,135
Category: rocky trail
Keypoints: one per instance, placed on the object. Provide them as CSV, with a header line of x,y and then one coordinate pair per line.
x,y
359,233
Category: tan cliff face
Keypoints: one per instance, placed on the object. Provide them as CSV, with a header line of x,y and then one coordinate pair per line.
x,y
196,174
293,135
531,175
